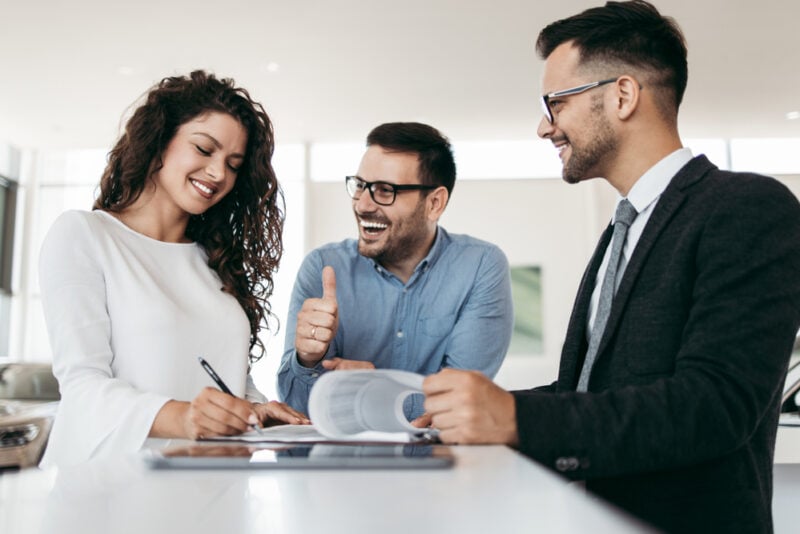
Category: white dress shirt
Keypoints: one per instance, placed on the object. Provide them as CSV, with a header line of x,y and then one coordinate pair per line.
x,y
644,196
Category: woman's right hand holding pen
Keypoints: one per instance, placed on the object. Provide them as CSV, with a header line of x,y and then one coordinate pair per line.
x,y
211,413
214,413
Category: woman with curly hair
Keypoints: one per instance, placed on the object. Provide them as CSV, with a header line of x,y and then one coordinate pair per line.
x,y
174,262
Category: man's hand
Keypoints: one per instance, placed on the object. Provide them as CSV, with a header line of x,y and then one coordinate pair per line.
x,y
423,421
340,364
317,322
467,407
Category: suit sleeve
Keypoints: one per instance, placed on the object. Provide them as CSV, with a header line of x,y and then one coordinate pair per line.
x,y
730,360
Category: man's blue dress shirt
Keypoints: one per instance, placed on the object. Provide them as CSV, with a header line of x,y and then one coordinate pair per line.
x,y
455,311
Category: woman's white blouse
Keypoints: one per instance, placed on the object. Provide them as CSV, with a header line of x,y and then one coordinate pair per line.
x,y
127,317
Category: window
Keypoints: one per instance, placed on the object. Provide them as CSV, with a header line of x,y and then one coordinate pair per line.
x,y
8,204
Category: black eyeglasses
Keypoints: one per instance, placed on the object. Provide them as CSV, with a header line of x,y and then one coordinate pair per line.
x,y
382,193
545,100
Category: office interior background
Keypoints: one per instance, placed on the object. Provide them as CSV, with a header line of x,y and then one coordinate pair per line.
x,y
327,73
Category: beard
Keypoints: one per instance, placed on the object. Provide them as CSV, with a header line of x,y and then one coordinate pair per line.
x,y
601,146
405,238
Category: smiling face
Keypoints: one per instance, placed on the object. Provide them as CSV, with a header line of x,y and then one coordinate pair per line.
x,y
200,164
581,131
400,234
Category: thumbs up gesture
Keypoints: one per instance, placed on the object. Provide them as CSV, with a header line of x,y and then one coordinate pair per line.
x,y
329,284
317,322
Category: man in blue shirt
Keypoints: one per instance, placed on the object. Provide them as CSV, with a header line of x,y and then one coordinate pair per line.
x,y
406,294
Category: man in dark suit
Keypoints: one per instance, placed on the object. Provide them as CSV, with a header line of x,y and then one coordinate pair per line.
x,y
668,391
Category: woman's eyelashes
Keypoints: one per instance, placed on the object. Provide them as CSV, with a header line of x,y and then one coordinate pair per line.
x,y
202,150
208,153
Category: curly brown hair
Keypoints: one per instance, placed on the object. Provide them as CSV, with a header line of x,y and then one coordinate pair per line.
x,y
241,234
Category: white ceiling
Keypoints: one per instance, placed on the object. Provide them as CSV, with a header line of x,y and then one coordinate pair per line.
x,y
68,70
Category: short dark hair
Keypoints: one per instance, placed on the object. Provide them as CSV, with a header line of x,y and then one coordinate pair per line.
x,y
436,163
631,34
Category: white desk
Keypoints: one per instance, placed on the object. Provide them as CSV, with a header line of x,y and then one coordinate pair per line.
x,y
491,489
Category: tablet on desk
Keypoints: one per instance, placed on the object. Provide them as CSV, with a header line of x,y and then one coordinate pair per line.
x,y
320,456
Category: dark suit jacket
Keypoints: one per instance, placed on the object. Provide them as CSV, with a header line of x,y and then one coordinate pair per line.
x,y
679,423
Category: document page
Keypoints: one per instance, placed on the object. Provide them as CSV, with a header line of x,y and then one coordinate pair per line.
x,y
278,434
365,405
351,406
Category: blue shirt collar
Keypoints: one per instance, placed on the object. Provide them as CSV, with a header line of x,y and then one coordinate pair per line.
x,y
439,244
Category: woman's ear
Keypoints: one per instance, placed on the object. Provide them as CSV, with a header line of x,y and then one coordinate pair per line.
x,y
627,96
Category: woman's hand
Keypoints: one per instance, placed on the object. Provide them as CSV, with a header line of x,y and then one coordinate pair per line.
x,y
277,413
211,413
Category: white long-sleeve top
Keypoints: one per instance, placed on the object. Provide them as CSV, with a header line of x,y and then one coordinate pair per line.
x,y
127,317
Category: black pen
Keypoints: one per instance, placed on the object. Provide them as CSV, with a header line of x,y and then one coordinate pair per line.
x,y
225,389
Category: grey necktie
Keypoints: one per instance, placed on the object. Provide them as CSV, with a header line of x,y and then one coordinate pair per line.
x,y
623,218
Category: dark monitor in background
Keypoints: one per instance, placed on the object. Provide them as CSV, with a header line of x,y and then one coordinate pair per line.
x,y
8,213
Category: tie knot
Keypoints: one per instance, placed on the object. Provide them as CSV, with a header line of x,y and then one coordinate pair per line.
x,y
626,213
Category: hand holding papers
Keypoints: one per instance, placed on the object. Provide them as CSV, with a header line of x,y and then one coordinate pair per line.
x,y
354,406
365,405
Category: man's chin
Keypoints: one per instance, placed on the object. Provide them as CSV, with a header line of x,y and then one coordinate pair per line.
x,y
571,176
369,249
576,179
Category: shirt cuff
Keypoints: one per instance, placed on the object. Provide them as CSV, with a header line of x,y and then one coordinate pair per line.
x,y
307,374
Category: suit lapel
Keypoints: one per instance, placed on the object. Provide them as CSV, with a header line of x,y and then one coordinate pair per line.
x,y
668,205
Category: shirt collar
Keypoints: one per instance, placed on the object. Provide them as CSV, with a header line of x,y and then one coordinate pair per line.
x,y
439,243
652,183
437,249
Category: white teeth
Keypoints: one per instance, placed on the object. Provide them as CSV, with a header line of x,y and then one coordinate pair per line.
x,y
205,189
373,225
561,148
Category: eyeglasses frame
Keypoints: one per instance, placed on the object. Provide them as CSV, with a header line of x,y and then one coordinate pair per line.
x,y
369,186
545,99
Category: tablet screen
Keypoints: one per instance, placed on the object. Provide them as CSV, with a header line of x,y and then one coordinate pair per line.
x,y
319,456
